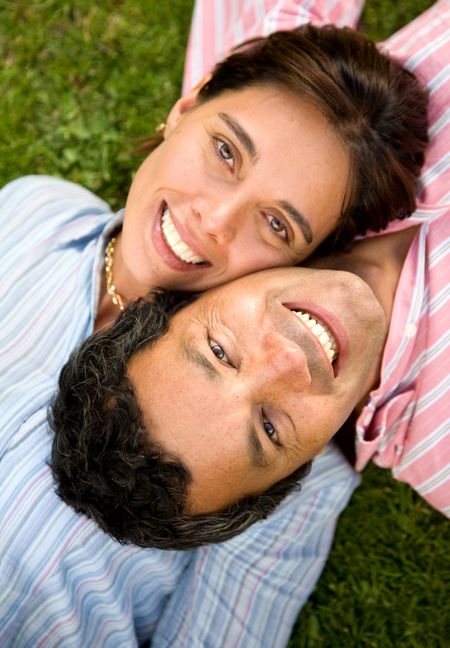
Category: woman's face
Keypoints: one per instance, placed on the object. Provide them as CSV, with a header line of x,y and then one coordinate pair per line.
x,y
252,179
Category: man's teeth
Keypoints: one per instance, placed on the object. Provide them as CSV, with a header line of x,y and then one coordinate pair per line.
x,y
173,240
322,333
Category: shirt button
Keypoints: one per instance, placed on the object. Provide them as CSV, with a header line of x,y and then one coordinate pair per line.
x,y
410,330
398,449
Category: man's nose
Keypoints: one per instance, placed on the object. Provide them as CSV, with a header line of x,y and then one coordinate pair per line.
x,y
284,364
218,217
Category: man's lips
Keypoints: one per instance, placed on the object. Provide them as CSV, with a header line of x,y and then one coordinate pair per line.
x,y
321,332
327,330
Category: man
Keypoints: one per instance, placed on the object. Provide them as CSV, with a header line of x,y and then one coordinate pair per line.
x,y
397,407
159,426
154,429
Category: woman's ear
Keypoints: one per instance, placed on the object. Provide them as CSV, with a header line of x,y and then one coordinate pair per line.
x,y
183,105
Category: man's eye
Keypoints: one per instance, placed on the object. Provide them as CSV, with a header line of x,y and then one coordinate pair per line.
x,y
224,152
269,429
219,352
278,226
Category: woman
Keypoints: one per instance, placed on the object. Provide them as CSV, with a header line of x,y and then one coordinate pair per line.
x,y
260,163
267,158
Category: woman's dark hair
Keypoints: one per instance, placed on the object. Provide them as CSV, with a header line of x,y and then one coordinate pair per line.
x,y
375,106
103,459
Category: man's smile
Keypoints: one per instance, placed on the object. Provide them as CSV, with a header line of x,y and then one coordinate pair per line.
x,y
321,332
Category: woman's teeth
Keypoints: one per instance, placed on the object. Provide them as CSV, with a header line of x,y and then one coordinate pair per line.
x,y
322,333
173,240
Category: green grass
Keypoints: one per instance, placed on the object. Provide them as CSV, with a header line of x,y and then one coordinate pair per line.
x,y
79,83
386,583
381,18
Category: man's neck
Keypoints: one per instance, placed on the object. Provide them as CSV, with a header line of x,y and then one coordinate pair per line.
x,y
377,260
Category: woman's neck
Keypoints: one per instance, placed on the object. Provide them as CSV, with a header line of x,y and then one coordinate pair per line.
x,y
125,286
107,312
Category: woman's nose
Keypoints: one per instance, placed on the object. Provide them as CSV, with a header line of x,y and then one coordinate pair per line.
x,y
283,364
218,217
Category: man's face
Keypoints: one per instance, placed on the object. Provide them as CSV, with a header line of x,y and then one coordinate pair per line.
x,y
244,388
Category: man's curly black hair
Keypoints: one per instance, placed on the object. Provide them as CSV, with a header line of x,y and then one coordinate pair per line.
x,y
103,460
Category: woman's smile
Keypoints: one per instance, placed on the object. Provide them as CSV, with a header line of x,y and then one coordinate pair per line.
x,y
176,244
172,245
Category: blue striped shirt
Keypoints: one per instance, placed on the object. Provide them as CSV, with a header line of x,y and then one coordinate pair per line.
x,y
63,582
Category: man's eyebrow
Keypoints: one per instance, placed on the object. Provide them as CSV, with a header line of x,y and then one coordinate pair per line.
x,y
192,354
258,457
241,134
299,219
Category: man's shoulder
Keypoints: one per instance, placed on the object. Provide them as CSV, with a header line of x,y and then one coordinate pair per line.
x,y
43,203
62,579
39,214
54,188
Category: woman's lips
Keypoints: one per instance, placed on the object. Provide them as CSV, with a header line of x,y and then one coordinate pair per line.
x,y
172,248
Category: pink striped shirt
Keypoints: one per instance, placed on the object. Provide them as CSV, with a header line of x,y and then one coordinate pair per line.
x,y
405,425
218,26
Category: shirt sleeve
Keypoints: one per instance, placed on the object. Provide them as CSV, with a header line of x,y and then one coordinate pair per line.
x,y
423,46
35,208
217,27
248,591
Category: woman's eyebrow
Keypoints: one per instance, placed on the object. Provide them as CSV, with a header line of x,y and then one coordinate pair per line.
x,y
300,220
249,145
242,135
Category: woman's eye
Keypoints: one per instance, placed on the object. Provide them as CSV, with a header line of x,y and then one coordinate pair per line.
x,y
278,226
219,352
270,430
225,152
